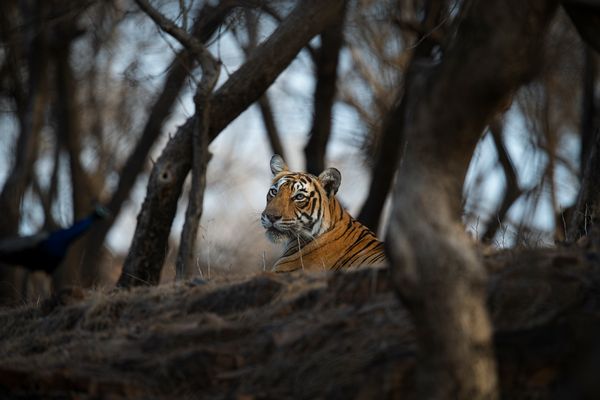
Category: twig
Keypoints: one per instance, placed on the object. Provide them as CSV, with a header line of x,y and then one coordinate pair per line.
x,y
172,29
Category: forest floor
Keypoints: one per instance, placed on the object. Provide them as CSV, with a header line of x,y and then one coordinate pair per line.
x,y
301,336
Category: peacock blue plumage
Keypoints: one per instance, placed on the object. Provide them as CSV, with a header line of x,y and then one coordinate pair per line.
x,y
45,251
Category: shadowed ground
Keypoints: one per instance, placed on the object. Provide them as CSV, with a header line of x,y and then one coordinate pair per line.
x,y
298,336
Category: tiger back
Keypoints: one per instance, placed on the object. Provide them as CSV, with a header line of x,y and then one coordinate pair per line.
x,y
318,233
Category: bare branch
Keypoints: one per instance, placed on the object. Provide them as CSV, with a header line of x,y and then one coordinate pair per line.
x,y
264,104
200,158
324,97
206,60
513,190
244,86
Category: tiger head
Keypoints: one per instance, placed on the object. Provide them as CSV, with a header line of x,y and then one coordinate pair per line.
x,y
299,205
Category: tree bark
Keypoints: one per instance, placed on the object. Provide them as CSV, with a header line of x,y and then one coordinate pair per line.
x,y
146,256
390,149
436,272
143,263
186,256
326,66
207,22
200,155
586,216
586,212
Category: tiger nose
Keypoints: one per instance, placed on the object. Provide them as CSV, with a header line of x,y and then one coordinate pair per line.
x,y
271,217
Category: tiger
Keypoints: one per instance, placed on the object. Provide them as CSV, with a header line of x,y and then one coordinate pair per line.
x,y
303,212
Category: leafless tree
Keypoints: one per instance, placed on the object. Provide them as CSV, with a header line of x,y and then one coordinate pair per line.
x,y
437,273
146,256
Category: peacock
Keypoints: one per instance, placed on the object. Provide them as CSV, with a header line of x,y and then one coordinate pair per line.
x,y
45,251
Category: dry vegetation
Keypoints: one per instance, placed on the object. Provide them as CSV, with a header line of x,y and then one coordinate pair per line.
x,y
296,336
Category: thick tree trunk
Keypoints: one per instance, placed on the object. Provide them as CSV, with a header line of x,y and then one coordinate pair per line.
x,y
587,208
146,256
586,215
436,272
68,118
150,242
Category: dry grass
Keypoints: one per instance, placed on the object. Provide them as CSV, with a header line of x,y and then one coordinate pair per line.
x,y
288,336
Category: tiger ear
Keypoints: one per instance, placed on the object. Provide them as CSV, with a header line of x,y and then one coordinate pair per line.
x,y
331,179
278,165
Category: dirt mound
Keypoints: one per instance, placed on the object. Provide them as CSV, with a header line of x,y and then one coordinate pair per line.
x,y
301,336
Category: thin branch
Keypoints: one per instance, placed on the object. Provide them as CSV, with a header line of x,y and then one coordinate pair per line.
x,y
513,190
326,66
205,58
264,104
200,157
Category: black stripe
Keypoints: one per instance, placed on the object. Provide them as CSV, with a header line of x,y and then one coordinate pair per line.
x,y
358,253
319,205
313,205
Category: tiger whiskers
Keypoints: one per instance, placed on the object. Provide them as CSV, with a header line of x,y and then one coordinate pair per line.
x,y
309,237
300,252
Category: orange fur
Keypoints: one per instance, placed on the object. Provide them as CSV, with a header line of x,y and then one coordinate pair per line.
x,y
302,210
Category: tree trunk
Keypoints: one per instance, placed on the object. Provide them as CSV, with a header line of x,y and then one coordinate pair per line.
x,y
389,150
587,209
436,272
326,66
68,132
590,107
209,19
586,212
146,256
150,241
